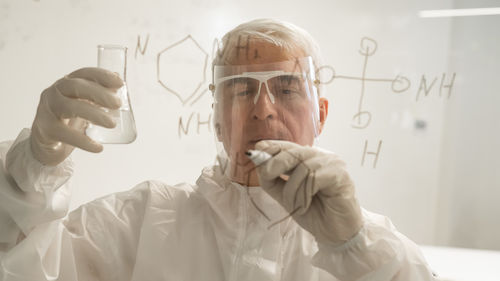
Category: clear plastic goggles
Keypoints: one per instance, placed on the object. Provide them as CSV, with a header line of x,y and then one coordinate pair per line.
x,y
281,86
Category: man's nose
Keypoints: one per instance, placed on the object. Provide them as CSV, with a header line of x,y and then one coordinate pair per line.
x,y
264,108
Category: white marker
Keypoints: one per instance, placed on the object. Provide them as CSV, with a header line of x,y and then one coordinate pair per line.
x,y
258,156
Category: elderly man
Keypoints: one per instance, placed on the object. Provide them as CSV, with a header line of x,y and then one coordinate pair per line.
x,y
287,212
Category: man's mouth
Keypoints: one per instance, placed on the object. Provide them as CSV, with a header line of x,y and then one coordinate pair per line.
x,y
256,140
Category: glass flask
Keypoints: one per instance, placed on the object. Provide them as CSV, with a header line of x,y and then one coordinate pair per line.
x,y
114,58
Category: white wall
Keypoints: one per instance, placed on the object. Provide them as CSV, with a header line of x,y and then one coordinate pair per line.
x,y
40,41
468,206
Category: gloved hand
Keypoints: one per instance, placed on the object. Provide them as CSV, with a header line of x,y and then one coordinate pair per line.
x,y
64,109
318,193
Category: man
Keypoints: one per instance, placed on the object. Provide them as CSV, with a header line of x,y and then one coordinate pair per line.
x,y
293,216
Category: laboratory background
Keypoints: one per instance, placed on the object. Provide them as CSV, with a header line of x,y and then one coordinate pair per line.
x,y
413,88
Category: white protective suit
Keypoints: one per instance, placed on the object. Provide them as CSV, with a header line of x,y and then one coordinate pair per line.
x,y
206,231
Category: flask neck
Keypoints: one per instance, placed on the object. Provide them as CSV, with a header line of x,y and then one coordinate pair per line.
x,y
113,58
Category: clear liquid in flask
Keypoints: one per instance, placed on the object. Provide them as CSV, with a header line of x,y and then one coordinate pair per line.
x,y
114,58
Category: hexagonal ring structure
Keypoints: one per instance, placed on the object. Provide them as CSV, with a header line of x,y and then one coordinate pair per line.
x,y
183,96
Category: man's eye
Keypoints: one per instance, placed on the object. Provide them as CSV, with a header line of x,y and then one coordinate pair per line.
x,y
245,91
242,93
289,90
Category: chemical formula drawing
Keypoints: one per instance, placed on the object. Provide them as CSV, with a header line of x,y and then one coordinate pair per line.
x,y
194,122
398,84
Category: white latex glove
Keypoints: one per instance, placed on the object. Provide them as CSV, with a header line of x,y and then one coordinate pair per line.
x,y
64,109
318,190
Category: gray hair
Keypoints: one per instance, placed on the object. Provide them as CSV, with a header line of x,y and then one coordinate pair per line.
x,y
279,33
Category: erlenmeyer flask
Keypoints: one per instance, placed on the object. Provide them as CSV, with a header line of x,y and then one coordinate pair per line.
x,y
114,58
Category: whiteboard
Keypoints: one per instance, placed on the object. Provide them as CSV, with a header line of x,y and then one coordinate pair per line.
x,y
413,101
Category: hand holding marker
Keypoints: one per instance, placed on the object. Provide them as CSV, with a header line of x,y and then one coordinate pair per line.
x,y
312,185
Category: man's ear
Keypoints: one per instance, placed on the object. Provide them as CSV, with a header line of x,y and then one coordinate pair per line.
x,y
323,112
216,122
218,131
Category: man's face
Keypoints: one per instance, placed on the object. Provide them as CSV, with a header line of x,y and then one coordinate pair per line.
x,y
281,110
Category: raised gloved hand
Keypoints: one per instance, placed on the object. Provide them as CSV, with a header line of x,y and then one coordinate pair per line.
x,y
317,190
64,109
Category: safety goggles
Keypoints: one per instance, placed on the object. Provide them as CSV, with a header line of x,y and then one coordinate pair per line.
x,y
280,85
283,81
